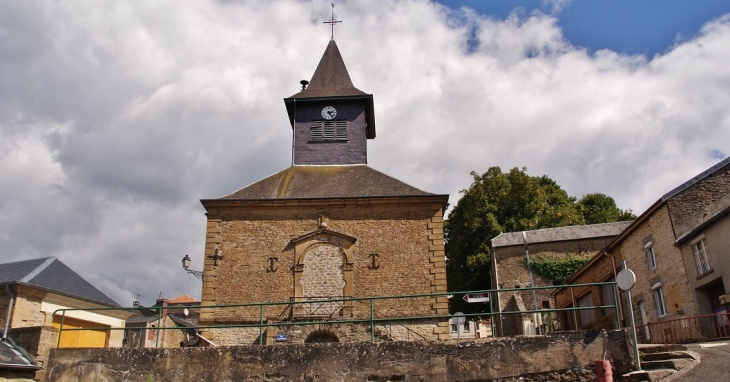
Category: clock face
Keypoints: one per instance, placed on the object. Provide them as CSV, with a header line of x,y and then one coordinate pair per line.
x,y
329,112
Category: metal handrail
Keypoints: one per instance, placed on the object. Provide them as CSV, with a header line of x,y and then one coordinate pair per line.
x,y
708,327
372,319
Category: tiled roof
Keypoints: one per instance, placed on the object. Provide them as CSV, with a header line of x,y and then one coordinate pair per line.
x,y
54,276
574,232
184,299
331,78
326,182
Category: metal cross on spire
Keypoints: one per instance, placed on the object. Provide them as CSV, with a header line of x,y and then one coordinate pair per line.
x,y
332,21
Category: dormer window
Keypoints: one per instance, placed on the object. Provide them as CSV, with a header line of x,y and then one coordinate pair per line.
x,y
327,131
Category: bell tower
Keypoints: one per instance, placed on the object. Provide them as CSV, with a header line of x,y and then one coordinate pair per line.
x,y
331,119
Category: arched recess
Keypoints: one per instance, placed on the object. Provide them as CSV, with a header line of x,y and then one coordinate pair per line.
x,y
319,336
323,243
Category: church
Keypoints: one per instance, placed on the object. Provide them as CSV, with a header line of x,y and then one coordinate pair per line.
x,y
326,229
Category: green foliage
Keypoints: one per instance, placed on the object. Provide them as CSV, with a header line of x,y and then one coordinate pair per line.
x,y
498,202
149,377
599,208
556,268
514,201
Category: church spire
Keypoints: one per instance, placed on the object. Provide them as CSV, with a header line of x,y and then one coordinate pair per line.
x,y
331,78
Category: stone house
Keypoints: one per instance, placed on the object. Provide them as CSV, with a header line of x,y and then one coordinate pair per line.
x,y
328,227
176,313
32,290
509,272
679,250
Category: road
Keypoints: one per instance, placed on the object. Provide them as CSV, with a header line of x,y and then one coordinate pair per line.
x,y
713,366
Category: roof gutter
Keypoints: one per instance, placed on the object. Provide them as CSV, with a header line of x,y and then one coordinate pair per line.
x,y
10,310
621,236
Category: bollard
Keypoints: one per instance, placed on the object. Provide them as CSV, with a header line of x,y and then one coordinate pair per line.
x,y
604,372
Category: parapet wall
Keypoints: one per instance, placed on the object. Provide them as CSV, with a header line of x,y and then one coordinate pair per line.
x,y
360,361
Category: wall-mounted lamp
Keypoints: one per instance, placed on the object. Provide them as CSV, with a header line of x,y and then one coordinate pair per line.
x,y
186,266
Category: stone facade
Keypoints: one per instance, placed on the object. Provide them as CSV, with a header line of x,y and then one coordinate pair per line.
x,y
509,271
661,248
322,250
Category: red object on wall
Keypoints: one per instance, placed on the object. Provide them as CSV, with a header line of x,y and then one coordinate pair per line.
x,y
604,373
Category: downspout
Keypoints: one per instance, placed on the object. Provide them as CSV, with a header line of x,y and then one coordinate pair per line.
x,y
615,290
499,303
538,319
293,130
10,310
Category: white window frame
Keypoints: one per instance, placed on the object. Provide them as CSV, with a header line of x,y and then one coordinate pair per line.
x,y
650,255
454,328
701,255
659,304
466,326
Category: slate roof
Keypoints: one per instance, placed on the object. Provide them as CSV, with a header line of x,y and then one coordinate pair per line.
x,y
52,275
311,182
13,357
331,78
574,232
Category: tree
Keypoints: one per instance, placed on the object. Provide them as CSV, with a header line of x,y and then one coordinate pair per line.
x,y
498,202
600,208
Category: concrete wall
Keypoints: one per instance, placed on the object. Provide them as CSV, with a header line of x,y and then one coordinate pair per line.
x,y
362,361
717,242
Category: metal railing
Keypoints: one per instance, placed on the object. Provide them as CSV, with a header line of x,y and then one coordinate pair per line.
x,y
709,327
362,310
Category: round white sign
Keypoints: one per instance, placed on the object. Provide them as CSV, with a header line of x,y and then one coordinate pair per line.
x,y
625,279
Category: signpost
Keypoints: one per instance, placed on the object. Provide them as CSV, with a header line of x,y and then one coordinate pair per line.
x,y
476,297
625,280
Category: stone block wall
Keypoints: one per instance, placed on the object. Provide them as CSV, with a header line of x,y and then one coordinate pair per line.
x,y
37,341
513,273
364,247
537,358
700,201
670,268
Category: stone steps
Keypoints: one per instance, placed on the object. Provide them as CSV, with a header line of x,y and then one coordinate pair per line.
x,y
659,362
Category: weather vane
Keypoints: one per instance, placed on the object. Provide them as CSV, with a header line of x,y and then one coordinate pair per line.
x,y
332,21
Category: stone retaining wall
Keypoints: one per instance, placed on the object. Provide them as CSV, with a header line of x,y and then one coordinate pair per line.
x,y
565,354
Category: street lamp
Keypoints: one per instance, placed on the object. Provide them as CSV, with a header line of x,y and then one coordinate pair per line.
x,y
186,266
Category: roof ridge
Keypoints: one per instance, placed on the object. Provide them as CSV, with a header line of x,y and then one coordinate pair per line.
x,y
37,270
695,179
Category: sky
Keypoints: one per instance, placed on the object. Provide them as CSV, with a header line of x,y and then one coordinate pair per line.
x,y
116,118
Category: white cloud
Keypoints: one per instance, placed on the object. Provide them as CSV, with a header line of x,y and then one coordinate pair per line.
x,y
116,118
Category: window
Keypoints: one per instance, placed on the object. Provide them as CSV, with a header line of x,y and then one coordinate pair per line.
x,y
454,328
587,316
702,257
650,257
661,309
466,326
607,297
328,131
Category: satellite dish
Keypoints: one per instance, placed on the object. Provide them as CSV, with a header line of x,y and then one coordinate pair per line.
x,y
625,279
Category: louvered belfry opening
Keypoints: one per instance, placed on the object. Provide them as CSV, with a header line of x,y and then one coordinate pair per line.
x,y
328,131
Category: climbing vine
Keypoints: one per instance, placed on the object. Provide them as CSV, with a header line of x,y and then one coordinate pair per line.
x,y
556,268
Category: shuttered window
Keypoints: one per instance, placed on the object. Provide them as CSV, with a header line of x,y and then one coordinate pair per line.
x,y
328,131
